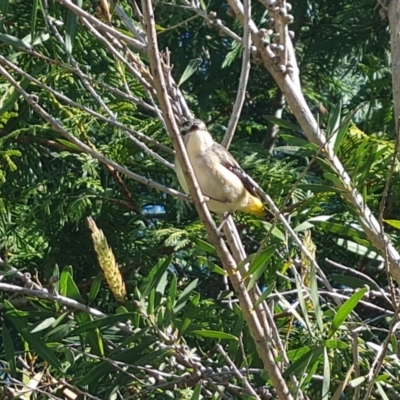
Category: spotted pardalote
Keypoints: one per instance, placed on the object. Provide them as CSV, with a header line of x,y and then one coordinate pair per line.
x,y
221,179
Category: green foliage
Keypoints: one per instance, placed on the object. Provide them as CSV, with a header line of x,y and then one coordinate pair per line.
x,y
165,341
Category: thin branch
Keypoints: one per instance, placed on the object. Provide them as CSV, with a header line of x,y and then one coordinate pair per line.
x,y
380,356
237,373
44,294
290,86
244,78
363,276
138,44
131,133
56,125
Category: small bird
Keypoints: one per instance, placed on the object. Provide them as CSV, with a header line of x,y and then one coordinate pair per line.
x,y
221,179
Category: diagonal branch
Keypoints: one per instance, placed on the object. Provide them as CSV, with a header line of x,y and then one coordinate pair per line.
x,y
290,86
56,125
260,336
244,78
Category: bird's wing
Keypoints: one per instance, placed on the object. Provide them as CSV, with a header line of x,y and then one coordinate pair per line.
x,y
232,165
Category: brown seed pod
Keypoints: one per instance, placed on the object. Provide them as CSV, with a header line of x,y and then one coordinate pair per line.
x,y
262,33
289,18
212,15
271,23
276,60
274,47
282,68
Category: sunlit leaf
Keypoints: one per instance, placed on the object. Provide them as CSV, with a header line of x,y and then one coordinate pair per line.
x,y
346,308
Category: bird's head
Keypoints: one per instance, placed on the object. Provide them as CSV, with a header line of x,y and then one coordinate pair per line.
x,y
192,125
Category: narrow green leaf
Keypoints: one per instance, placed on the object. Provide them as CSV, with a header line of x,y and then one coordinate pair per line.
x,y
95,287
358,381
346,308
9,351
341,229
333,178
70,29
101,323
245,261
315,298
68,287
336,344
4,7
7,273
393,222
303,226
70,145
173,289
93,337
34,341
282,123
43,325
214,334
383,378
359,249
286,306
296,354
212,266
299,365
162,284
131,356
184,296
265,294
196,392
341,134
151,299
381,391
295,151
275,232
41,38
155,275
190,70
33,17
204,246
349,281
260,261
203,5
14,41
333,125
326,382
189,314
303,305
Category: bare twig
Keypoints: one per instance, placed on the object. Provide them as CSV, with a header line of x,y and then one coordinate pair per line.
x,y
44,294
244,77
236,371
131,133
290,86
138,44
56,125
380,356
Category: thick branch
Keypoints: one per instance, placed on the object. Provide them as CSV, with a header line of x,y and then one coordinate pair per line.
x,y
394,18
290,86
259,335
